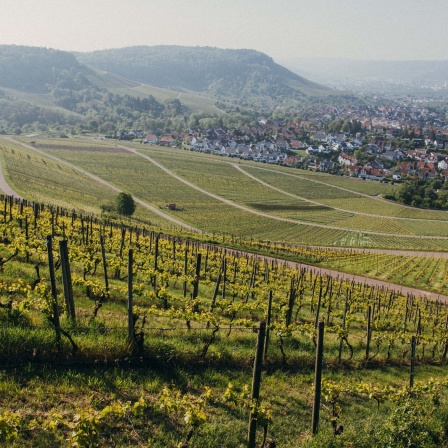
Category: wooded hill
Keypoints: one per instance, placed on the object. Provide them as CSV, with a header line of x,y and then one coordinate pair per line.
x,y
129,87
225,74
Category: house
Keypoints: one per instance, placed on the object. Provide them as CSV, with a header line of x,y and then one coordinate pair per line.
x,y
167,141
353,170
264,146
325,166
312,149
292,161
375,164
320,136
282,145
406,168
324,149
296,144
346,160
150,139
417,154
442,165
372,148
395,154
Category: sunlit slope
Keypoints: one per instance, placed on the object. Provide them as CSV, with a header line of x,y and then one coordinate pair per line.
x,y
42,179
221,195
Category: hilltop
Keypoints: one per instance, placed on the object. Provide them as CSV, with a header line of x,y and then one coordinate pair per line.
x,y
246,75
106,90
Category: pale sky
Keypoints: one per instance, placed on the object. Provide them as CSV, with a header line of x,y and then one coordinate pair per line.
x,y
283,29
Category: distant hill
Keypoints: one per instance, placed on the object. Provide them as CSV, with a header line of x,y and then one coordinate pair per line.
x,y
142,87
33,69
223,74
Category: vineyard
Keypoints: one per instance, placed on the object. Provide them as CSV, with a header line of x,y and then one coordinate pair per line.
x,y
222,197
152,340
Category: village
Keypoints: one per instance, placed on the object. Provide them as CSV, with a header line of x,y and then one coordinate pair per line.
x,y
404,139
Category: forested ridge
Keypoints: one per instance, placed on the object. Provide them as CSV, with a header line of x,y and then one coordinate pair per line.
x,y
42,88
244,74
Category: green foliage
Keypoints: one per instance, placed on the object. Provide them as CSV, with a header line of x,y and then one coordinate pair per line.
x,y
9,424
243,74
125,204
411,425
424,193
246,77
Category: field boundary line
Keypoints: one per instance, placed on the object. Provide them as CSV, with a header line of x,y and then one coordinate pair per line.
x,y
262,182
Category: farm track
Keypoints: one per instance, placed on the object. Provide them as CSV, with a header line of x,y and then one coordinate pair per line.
x,y
317,270
351,277
266,215
5,187
109,185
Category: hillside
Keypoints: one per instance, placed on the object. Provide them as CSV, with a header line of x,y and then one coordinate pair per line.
x,y
140,87
222,73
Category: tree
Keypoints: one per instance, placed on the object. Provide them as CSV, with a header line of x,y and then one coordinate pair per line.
x,y
125,204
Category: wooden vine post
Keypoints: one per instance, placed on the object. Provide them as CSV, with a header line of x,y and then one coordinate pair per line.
x,y
130,301
369,331
103,258
67,281
56,322
268,323
292,298
256,383
27,256
156,253
318,377
185,271
411,376
319,301
197,276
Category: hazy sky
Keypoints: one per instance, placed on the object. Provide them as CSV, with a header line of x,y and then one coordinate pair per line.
x,y
284,29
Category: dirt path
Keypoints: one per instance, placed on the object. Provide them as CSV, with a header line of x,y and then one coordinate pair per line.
x,y
5,187
409,253
265,184
350,277
266,215
109,185
314,269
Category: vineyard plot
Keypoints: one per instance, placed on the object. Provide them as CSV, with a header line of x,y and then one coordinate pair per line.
x,y
193,304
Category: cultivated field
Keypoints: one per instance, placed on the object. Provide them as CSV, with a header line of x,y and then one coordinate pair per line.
x,y
228,196
154,345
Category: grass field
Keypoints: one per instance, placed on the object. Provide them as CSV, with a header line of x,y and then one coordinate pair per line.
x,y
40,179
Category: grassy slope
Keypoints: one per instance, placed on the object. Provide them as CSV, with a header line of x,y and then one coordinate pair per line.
x,y
44,180
116,84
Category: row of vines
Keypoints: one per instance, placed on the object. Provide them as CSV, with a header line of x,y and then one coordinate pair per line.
x,y
80,275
